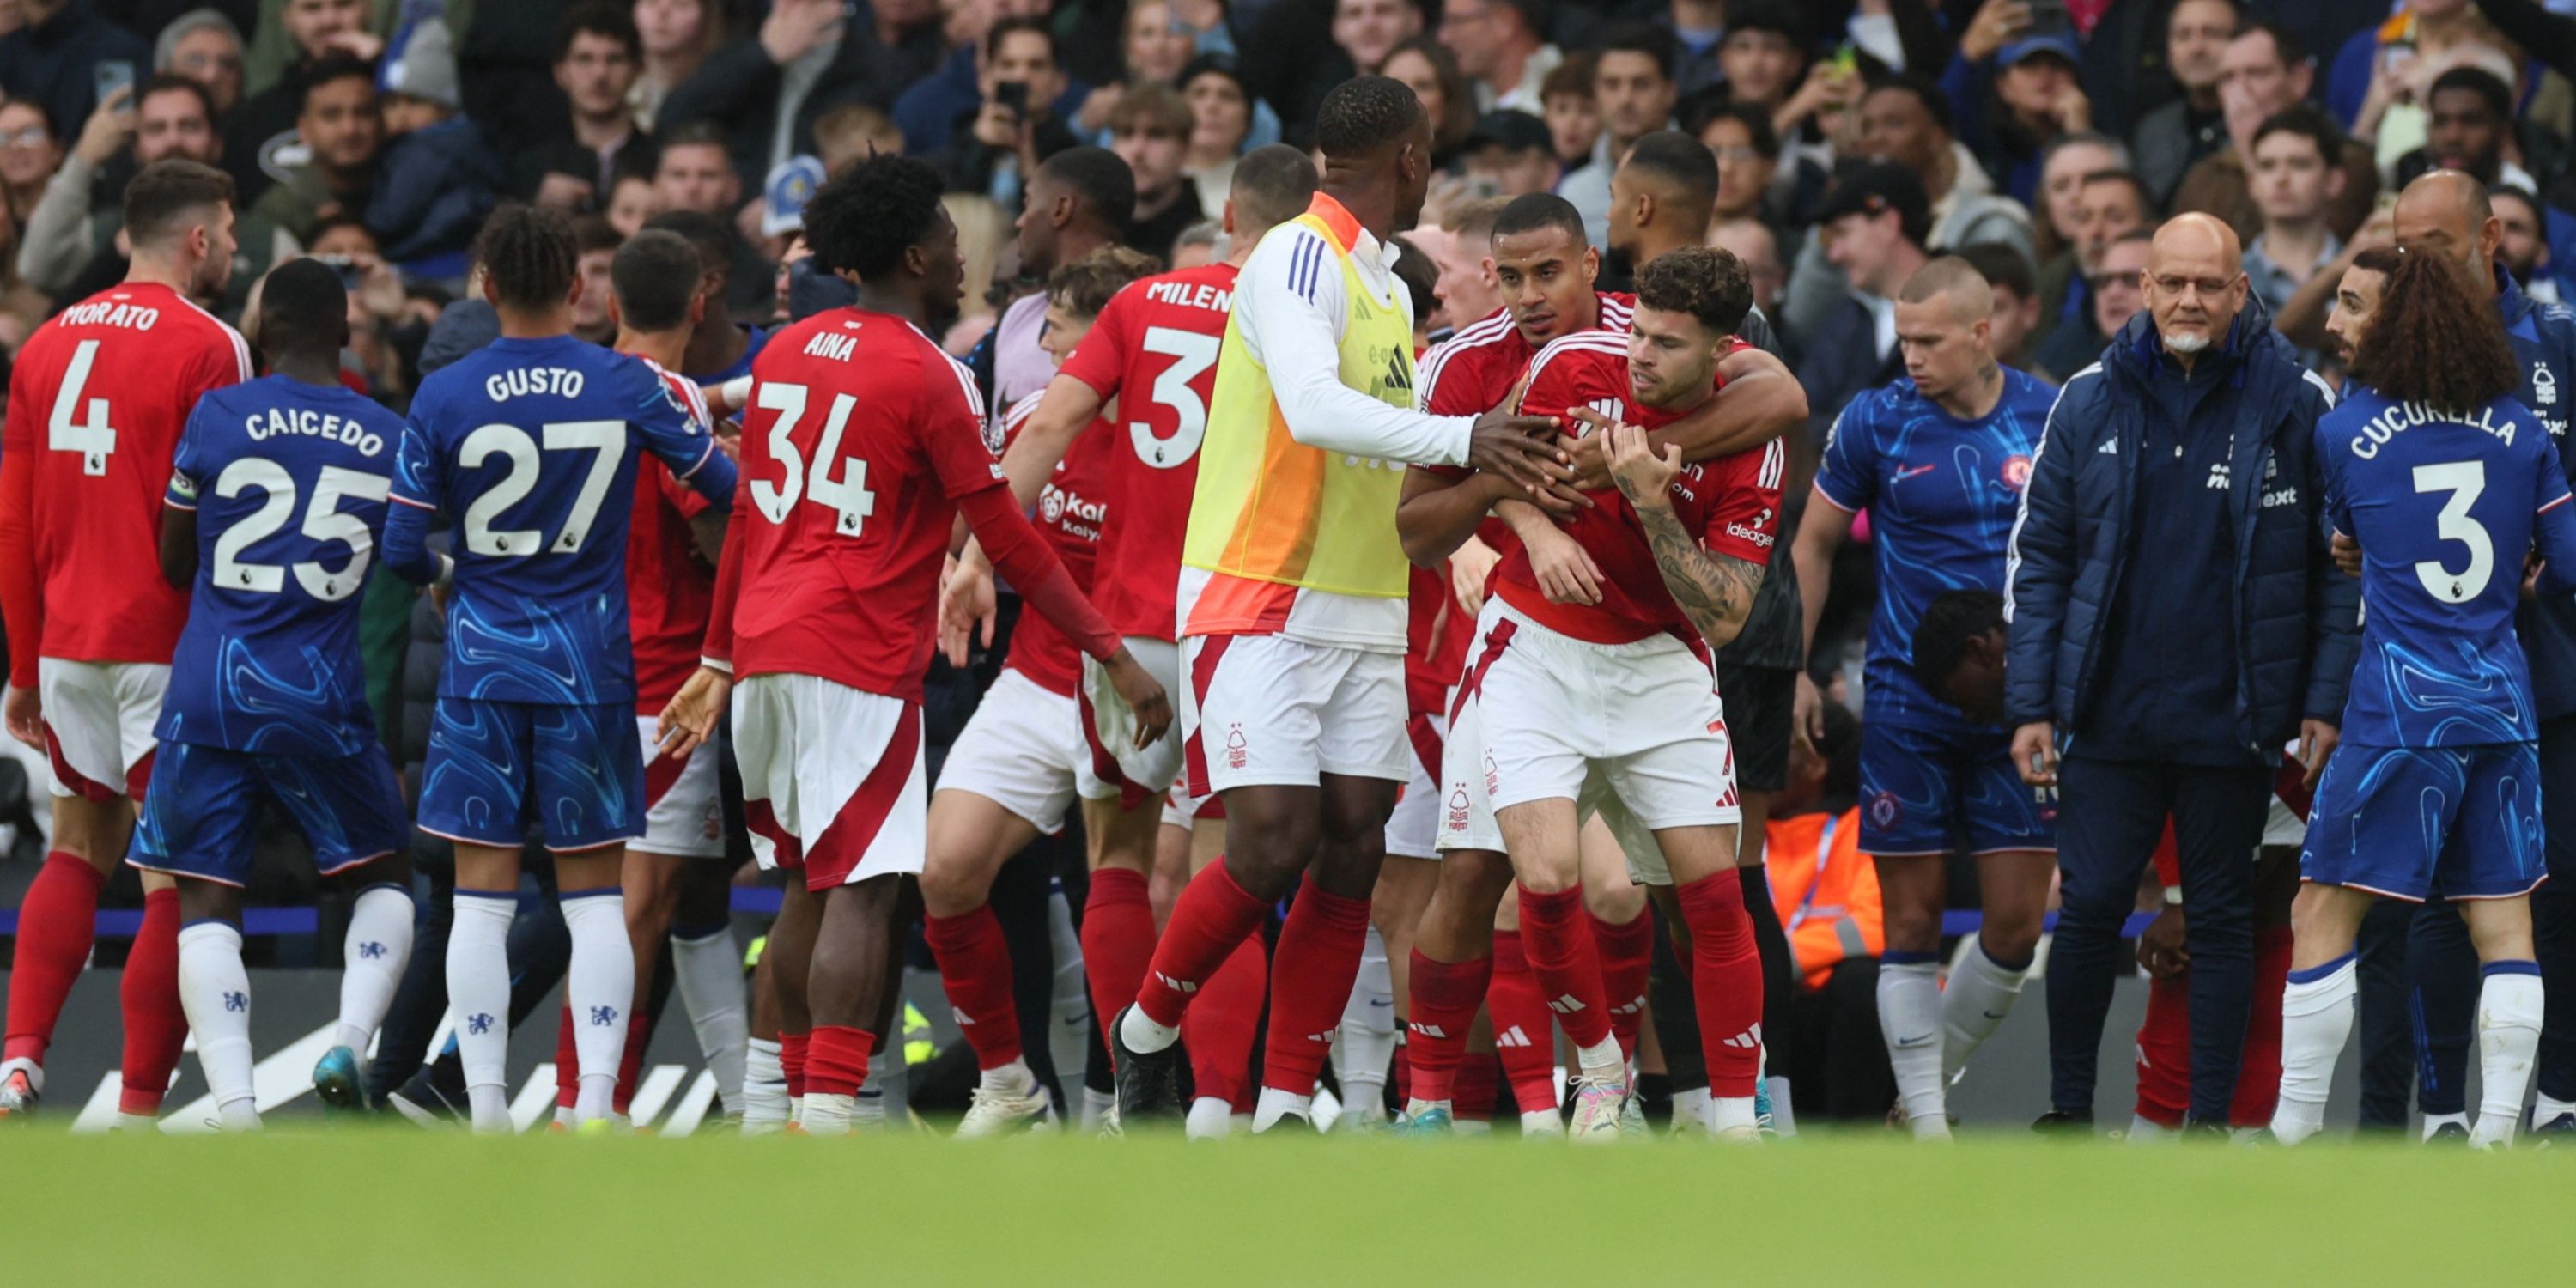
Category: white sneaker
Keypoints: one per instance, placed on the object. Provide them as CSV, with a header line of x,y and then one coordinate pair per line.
x,y
1597,1107
992,1113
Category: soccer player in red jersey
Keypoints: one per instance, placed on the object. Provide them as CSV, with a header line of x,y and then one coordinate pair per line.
x,y
1025,755
864,444
96,404
1150,357
1547,271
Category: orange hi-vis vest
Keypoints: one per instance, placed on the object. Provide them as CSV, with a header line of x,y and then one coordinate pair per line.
x,y
1825,890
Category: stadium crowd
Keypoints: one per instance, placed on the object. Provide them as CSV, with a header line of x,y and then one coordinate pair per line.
x,y
1965,384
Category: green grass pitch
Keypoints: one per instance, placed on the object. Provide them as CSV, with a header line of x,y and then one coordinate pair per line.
x,y
373,1207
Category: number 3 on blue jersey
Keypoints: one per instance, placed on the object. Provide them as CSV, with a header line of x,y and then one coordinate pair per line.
x,y
2464,481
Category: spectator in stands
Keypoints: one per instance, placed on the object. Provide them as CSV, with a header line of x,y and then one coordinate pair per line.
x,y
595,242
1753,242
1196,246
765,90
29,151
1696,27
674,38
1632,85
1369,30
1565,103
438,181
2169,139
204,46
52,58
2526,248
1907,121
1758,178
1014,129
2135,710
259,135
1502,46
1872,230
1509,154
1220,124
723,346
1428,70
852,133
1154,48
338,133
2062,168
2013,91
2110,204
70,237
2263,74
1150,131
632,199
1764,56
2294,183
2113,295
596,65
2370,73
2016,314
2473,129
694,172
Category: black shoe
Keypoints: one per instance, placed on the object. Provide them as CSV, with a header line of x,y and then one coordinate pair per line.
x,y
426,1101
2448,1133
2557,1130
2058,1122
1149,1082
2199,1131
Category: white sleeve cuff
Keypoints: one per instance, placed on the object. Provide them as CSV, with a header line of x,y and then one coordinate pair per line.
x,y
716,664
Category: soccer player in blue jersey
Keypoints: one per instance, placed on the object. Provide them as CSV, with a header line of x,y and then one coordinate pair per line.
x,y
274,504
2447,482
1938,459
526,446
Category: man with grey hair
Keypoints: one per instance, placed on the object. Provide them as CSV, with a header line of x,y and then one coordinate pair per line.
x,y
204,46
2192,438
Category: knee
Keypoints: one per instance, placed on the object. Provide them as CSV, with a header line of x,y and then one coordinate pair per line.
x,y
950,889
2010,935
1615,903
1912,930
1550,878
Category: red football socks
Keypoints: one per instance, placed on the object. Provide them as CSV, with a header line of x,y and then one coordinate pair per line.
x,y
1219,1029
1444,998
2164,1053
1476,1088
975,969
1726,982
56,923
791,1060
1213,914
1118,940
1319,960
155,1025
1524,1032
1624,952
567,1062
1569,971
836,1059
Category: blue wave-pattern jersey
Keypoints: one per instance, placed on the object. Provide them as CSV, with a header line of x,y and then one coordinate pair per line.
x,y
1941,494
527,446
288,480
2445,510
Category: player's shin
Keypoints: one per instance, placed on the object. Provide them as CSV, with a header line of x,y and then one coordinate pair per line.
x,y
1213,914
1364,1053
600,987
1220,1029
156,1029
764,1089
56,921
2316,1018
375,952
1318,961
1981,993
1726,982
2509,1022
975,970
1445,997
1117,937
478,991
215,991
707,966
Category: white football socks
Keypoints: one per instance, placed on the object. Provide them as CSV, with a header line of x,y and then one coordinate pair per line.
x,y
478,991
827,1115
1541,1122
890,1080
1365,1045
1691,1109
214,990
708,972
764,1089
1144,1036
1980,994
2508,1040
600,987
1275,1104
1784,1117
1095,1108
373,955
1210,1118
2316,1018
1732,1117
1909,1018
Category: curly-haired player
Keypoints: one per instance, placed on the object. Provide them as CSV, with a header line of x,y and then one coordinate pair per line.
x,y
864,443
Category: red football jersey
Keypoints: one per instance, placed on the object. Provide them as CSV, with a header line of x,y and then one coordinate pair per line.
x,y
1153,350
1732,503
1437,635
96,404
1476,369
1072,511
669,587
859,439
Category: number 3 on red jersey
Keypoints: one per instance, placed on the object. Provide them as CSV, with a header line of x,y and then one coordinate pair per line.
x,y
1191,353
847,496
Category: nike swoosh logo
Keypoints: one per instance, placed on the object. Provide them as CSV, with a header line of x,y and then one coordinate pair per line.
x,y
1390,1004
1902,475
1994,1015
1917,1040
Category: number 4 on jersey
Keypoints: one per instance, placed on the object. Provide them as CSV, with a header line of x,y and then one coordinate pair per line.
x,y
93,437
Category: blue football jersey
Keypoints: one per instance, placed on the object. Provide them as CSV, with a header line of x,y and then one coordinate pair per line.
x,y
2445,511
1941,494
528,448
288,481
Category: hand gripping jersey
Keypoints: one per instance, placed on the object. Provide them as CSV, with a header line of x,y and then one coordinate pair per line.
x,y
1153,353
1074,515
527,445
1942,494
1732,503
288,481
669,585
97,400
1479,368
2444,509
